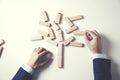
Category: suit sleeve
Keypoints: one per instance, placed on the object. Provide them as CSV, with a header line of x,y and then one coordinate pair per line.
x,y
22,75
102,69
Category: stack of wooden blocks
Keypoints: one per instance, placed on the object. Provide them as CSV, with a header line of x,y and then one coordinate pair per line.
x,y
54,26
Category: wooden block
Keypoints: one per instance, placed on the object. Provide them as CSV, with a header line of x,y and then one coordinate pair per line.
x,y
1,50
79,33
60,36
68,21
55,25
44,23
52,42
51,33
2,42
36,38
60,55
71,29
77,17
45,16
59,18
70,39
45,34
76,44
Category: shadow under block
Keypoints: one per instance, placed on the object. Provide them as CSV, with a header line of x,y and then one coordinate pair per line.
x,y
77,17
60,55
45,16
1,50
36,38
60,36
51,33
59,18
52,42
71,29
2,42
69,22
70,39
45,34
55,25
76,44
44,23
79,33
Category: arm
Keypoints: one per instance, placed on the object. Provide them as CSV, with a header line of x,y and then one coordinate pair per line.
x,y
101,65
39,57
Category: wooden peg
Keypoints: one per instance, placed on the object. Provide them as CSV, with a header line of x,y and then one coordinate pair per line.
x,y
2,42
68,21
59,18
76,44
60,36
45,16
60,55
51,33
79,33
52,42
77,17
44,23
45,34
55,25
71,29
36,38
70,39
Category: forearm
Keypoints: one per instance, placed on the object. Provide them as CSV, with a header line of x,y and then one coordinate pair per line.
x,y
24,73
102,67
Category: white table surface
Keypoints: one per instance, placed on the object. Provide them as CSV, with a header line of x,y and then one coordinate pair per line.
x,y
19,21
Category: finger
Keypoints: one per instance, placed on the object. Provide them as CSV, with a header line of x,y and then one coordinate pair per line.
x,y
42,53
44,62
86,36
97,33
92,34
41,49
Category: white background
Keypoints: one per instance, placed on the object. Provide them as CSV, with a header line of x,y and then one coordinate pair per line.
x,y
19,21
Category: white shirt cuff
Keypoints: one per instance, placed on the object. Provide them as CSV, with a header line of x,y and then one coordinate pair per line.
x,y
100,55
28,69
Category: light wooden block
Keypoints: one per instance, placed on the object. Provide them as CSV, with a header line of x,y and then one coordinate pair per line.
x,y
77,17
43,33
71,29
36,38
44,23
45,16
68,21
76,44
2,42
52,42
60,55
60,36
59,18
79,33
1,50
70,39
55,25
51,33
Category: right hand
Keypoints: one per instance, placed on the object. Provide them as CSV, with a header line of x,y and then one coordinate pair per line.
x,y
93,41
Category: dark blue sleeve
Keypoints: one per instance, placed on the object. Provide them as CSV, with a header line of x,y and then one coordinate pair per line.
x,y
22,75
102,69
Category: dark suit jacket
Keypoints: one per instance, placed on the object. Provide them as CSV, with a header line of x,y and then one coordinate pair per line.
x,y
101,71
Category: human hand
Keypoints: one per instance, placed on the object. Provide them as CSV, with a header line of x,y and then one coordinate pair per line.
x,y
39,57
93,41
